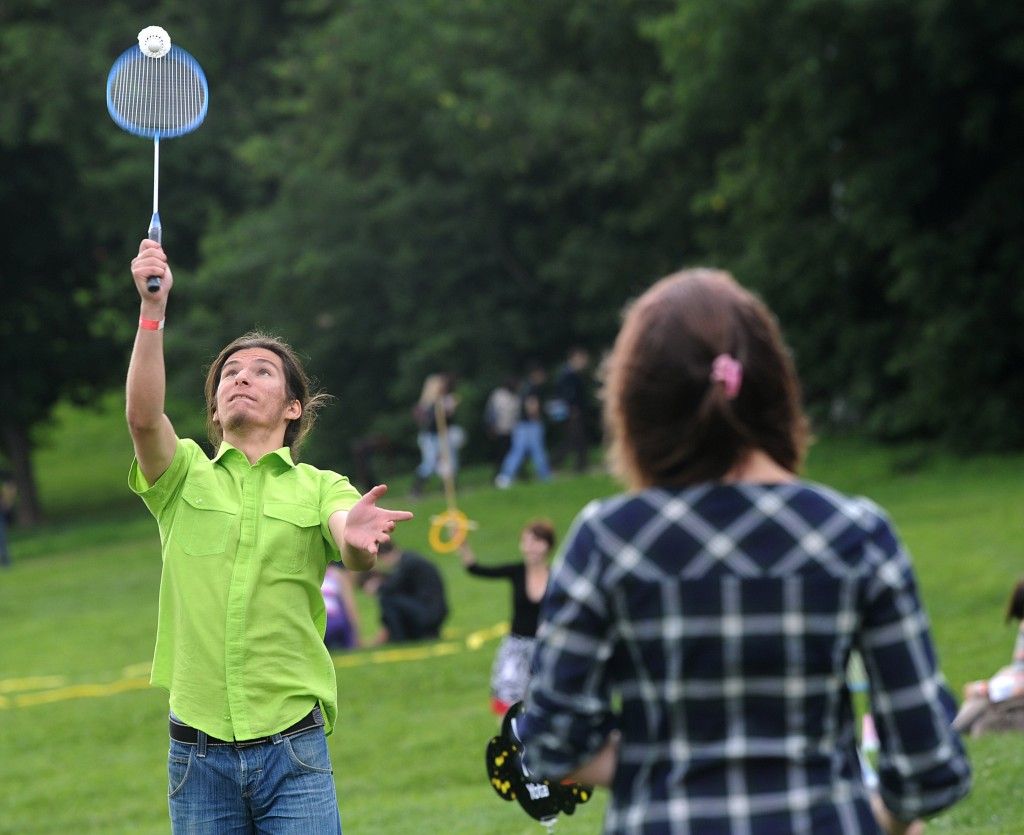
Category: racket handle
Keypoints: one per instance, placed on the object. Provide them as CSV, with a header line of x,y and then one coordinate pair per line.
x,y
155,233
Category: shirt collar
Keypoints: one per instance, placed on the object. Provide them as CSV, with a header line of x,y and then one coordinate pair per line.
x,y
284,453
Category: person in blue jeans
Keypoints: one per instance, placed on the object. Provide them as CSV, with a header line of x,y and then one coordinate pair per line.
x,y
245,538
528,433
438,437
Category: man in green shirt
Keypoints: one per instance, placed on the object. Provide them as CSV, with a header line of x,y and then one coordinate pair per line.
x,y
246,538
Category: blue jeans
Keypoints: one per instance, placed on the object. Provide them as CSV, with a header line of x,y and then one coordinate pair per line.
x,y
281,787
431,457
527,438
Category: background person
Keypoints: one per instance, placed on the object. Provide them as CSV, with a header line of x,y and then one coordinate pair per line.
x,y
246,538
501,411
529,578
410,592
1006,684
438,455
695,635
572,396
342,630
528,432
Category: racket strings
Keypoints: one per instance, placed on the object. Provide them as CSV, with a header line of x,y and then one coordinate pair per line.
x,y
158,96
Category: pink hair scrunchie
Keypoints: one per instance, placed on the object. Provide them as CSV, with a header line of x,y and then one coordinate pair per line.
x,y
728,371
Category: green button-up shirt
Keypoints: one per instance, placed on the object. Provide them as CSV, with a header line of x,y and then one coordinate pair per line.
x,y
241,621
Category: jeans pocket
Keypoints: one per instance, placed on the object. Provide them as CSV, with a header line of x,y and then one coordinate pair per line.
x,y
308,751
179,763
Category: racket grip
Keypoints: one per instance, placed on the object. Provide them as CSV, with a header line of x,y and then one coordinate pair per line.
x,y
155,233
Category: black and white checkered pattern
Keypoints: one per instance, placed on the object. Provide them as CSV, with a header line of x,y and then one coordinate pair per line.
x,y
713,625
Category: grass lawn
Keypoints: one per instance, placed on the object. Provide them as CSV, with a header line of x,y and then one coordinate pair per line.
x,y
83,739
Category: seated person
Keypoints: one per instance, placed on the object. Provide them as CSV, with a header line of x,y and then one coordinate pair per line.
x,y
342,619
410,592
1006,684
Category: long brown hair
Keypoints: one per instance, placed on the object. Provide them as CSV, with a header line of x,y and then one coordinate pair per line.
x,y
298,386
668,422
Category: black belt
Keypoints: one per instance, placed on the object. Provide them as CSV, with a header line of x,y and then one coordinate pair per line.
x,y
190,735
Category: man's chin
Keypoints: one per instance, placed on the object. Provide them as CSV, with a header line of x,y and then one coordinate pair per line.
x,y
235,422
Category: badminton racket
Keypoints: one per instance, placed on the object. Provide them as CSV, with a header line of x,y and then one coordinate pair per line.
x,y
157,90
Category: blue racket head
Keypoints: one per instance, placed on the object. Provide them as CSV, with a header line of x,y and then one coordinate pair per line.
x,y
157,97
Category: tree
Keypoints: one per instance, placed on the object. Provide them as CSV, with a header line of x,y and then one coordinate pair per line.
x,y
75,193
863,156
401,188
450,188
51,344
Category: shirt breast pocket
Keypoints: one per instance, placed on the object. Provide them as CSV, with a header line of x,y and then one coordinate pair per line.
x,y
205,524
291,533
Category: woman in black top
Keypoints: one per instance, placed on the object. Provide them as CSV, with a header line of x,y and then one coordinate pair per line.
x,y
529,578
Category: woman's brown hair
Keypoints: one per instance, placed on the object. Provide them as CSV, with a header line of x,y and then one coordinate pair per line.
x,y
298,386
668,421
543,529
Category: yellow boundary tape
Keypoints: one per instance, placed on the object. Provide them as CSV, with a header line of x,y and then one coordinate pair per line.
x,y
50,689
80,691
14,685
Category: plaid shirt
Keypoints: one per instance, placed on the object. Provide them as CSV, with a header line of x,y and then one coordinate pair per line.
x,y
713,625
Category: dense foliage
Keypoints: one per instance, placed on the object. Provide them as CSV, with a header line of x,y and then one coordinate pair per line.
x,y
400,188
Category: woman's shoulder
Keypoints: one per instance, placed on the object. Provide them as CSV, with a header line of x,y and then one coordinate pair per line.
x,y
809,499
860,510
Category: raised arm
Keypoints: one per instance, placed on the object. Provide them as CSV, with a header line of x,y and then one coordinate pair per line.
x,y
466,555
152,433
469,561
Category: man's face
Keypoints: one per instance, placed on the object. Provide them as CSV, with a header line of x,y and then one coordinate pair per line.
x,y
252,393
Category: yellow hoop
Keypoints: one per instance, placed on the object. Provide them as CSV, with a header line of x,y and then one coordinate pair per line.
x,y
451,520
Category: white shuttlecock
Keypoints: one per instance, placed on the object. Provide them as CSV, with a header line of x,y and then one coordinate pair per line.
x,y
154,42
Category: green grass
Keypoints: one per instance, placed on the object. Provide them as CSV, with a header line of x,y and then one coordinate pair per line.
x,y
82,462
78,612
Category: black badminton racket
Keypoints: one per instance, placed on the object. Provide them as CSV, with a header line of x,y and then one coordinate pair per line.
x,y
157,90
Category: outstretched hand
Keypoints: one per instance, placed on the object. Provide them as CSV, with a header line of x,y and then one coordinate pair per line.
x,y
367,525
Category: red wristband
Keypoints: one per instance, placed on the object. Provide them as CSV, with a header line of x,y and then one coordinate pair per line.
x,y
151,324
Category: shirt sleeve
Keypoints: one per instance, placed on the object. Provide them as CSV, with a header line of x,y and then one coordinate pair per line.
x,y
157,496
568,708
922,766
337,494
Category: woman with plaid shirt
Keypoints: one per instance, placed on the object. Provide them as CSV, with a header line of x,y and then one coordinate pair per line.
x,y
696,631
